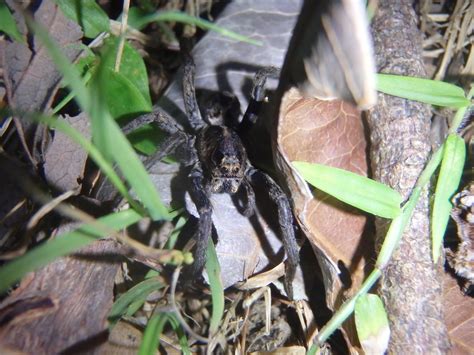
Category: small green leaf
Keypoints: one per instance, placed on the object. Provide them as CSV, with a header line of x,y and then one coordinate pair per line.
x,y
146,138
217,290
358,191
185,18
8,24
137,294
87,14
372,324
432,92
62,245
132,68
123,98
86,63
151,337
450,173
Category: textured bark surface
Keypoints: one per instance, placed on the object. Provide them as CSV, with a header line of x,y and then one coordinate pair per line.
x,y
63,306
410,286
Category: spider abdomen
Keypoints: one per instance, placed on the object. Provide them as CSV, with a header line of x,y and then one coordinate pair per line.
x,y
223,156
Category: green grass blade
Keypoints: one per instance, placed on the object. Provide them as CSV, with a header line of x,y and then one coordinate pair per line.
x,y
153,330
88,14
137,293
184,18
7,23
450,173
396,229
217,290
183,340
358,191
432,92
62,245
372,324
460,114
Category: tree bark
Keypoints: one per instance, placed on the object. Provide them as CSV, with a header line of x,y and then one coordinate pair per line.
x,y
400,146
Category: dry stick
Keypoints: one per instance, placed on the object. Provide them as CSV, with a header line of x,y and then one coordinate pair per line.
x,y
177,313
400,139
118,59
451,32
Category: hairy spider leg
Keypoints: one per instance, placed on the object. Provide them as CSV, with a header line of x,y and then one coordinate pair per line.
x,y
177,137
285,219
200,196
250,205
189,92
166,123
257,97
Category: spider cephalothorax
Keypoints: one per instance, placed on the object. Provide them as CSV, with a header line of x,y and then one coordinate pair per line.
x,y
223,157
219,162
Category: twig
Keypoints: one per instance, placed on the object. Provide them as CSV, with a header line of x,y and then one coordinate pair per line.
x,y
182,321
118,59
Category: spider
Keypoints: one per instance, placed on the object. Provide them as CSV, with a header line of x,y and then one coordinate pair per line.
x,y
219,163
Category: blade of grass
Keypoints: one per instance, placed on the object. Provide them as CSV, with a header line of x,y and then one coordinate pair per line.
x,y
217,290
185,18
137,293
7,23
396,229
432,92
62,245
183,340
135,173
358,191
448,181
460,114
151,337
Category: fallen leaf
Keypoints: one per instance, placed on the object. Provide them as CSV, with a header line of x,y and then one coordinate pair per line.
x,y
330,133
459,316
65,160
79,304
31,76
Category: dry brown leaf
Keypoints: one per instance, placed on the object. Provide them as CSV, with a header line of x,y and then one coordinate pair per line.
x,y
459,316
69,310
65,160
31,77
124,339
331,133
